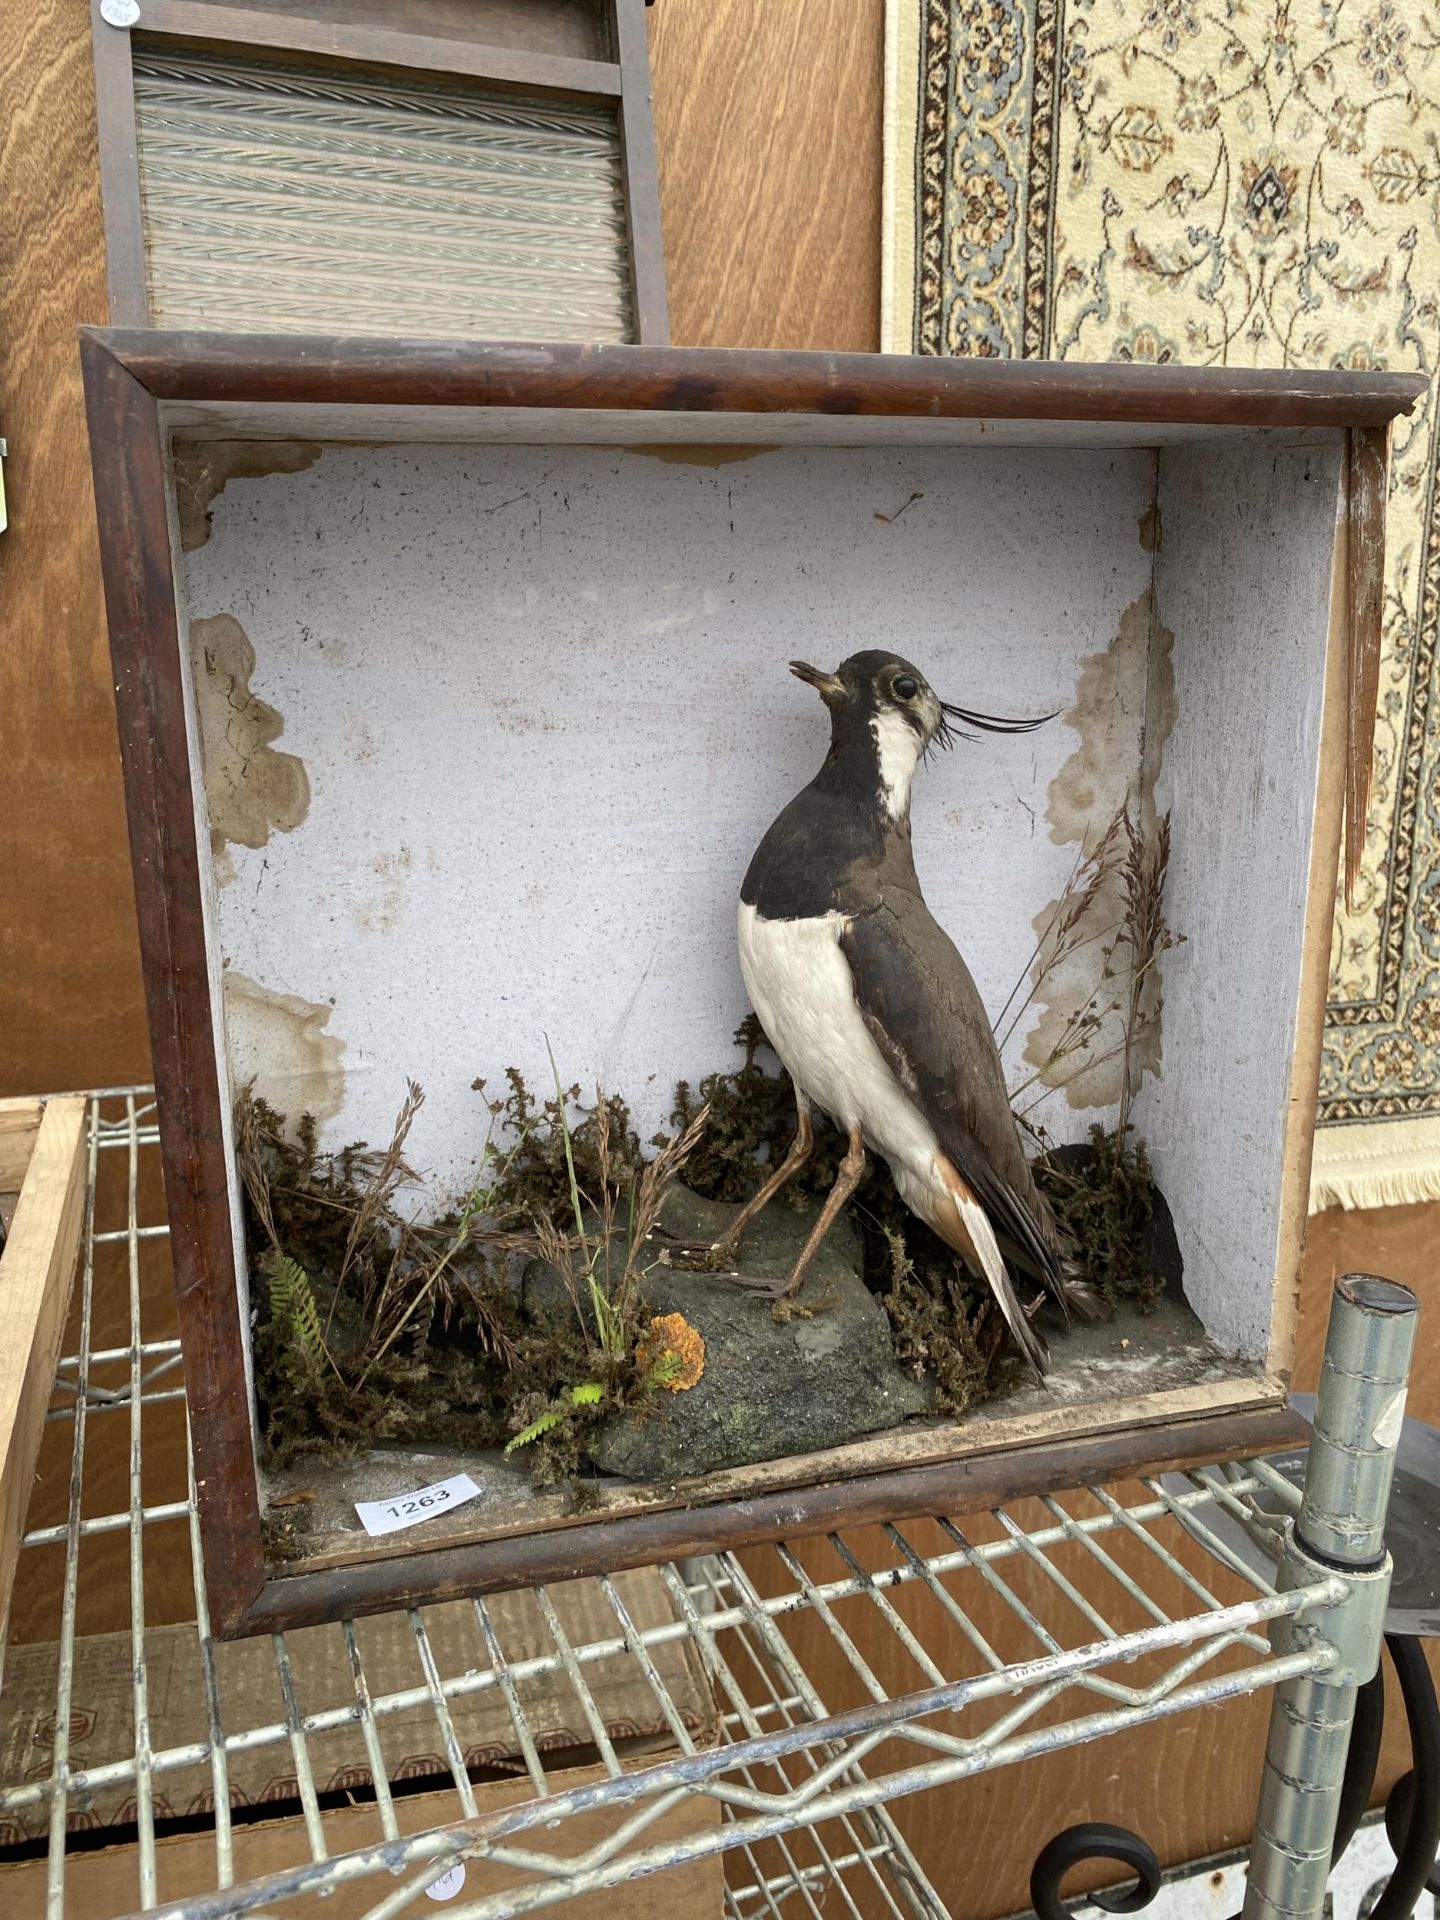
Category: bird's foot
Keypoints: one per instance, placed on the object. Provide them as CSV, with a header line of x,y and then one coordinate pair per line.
x,y
695,1256
690,1256
789,1306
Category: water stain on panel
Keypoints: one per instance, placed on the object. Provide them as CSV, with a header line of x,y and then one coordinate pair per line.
x,y
203,468
279,1041
251,791
381,912
699,454
1125,697
520,716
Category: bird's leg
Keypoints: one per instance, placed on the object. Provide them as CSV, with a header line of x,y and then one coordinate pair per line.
x,y
800,1147
846,1181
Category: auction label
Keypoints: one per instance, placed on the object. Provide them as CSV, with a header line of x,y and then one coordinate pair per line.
x,y
409,1509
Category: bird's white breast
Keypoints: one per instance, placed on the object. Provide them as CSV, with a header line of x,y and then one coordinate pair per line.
x,y
800,985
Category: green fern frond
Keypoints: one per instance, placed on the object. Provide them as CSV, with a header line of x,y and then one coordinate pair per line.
x,y
589,1393
546,1423
292,1304
667,1368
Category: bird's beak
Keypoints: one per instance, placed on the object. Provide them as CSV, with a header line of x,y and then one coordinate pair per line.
x,y
827,685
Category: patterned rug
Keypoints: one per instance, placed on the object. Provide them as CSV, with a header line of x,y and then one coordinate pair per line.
x,y
1219,184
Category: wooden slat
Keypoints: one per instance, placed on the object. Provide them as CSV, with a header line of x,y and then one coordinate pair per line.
x,y
119,173
575,27
19,1124
642,179
1300,1111
36,1271
130,475
355,42
952,1487
563,376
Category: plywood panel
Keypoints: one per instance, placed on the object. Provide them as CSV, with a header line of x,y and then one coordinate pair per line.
x,y
1245,549
768,124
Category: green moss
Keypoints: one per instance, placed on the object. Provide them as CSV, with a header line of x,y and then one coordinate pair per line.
x,y
1102,1201
934,1335
751,1121
604,1146
421,1339
370,1328
284,1532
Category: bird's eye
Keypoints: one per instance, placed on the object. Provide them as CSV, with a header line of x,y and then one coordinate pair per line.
x,y
906,687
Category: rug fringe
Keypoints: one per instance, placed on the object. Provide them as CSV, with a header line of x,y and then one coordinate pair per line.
x,y
1394,1163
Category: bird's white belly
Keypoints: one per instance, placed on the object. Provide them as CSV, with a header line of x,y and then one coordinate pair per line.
x,y
800,985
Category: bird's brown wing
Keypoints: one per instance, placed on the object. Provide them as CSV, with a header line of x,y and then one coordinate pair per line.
x,y
917,998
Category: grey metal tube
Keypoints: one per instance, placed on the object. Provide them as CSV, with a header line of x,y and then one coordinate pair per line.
x,y
1340,1526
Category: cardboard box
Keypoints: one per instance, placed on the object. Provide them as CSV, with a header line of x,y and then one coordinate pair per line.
x,y
102,1705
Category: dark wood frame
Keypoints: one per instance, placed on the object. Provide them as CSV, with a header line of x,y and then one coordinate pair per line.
x,y
622,81
135,382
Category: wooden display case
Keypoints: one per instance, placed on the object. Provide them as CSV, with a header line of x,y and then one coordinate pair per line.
x,y
523,613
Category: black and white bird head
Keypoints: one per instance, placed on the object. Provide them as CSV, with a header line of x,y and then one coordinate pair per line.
x,y
883,709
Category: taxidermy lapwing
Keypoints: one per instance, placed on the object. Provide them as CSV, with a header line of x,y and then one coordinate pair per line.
x,y
867,1001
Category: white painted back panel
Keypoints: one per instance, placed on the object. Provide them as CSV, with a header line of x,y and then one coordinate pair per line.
x,y
542,699
1243,578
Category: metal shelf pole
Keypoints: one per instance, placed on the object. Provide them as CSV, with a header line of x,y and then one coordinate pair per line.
x,y
1340,1529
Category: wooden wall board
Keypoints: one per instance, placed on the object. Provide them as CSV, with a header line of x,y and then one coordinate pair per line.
x,y
73,1008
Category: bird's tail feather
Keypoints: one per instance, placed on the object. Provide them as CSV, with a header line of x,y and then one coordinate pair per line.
x,y
987,1252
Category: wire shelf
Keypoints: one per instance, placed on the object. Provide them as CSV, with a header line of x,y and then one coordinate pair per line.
x,y
1126,1610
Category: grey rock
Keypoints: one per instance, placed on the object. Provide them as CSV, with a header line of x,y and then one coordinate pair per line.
x,y
824,1375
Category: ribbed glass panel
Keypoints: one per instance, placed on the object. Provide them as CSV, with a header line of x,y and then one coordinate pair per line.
x,y
289,199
